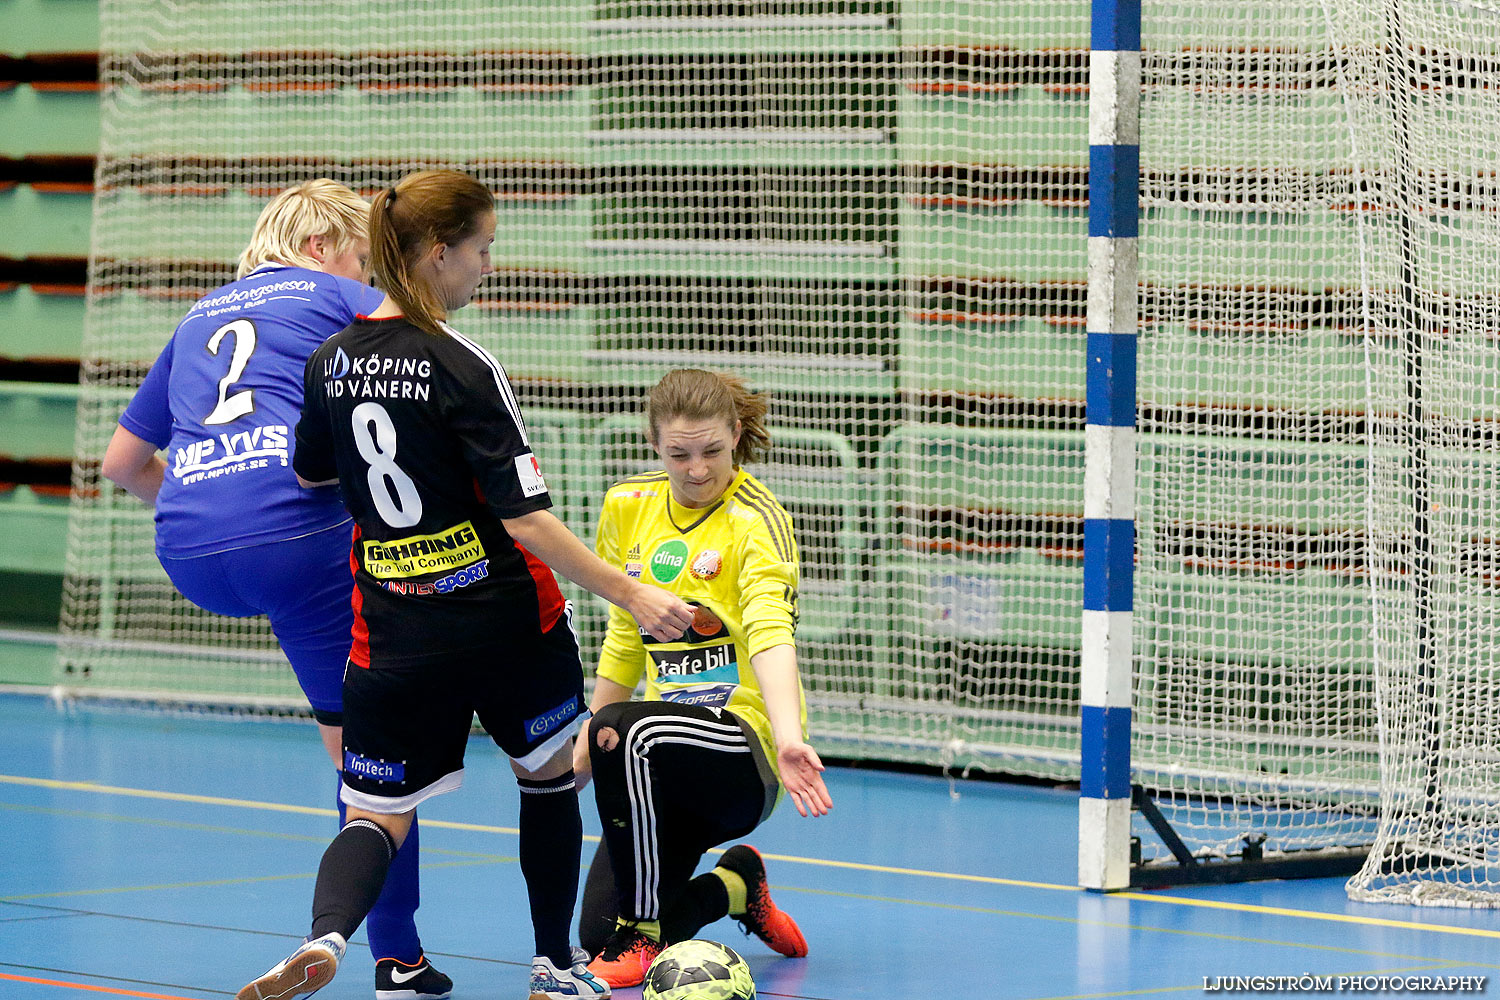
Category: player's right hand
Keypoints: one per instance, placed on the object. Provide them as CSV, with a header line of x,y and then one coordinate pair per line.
x,y
663,614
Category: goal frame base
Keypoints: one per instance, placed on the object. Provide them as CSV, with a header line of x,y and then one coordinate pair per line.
x,y
1251,864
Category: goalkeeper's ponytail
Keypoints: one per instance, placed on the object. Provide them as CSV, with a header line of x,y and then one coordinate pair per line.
x,y
695,394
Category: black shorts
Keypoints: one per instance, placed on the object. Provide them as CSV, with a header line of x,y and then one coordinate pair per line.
x,y
406,727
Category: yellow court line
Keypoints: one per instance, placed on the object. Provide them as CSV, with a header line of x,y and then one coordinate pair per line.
x,y
1154,929
919,872
168,824
31,897
214,800
1343,918
1338,918
244,880
1142,897
146,793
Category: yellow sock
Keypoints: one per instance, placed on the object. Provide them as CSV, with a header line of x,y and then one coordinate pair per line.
x,y
736,888
650,928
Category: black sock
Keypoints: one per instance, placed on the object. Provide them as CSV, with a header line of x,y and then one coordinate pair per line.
x,y
350,877
551,852
700,903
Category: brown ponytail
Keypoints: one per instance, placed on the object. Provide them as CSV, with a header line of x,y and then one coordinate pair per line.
x,y
695,394
406,221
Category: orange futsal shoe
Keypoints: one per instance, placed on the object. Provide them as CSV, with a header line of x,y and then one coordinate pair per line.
x,y
625,958
762,917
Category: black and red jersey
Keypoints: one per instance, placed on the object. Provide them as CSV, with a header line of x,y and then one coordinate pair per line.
x,y
427,441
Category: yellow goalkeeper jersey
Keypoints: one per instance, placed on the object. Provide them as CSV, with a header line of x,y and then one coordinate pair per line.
x,y
734,561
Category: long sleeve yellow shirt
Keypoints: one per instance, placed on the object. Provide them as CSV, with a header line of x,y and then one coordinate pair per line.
x,y
735,561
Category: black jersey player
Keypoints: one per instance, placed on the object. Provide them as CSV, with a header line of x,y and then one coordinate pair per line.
x,y
456,605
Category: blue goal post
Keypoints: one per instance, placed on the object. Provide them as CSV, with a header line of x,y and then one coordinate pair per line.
x,y
1109,455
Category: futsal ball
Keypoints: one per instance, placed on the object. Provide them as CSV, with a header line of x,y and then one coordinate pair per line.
x,y
698,970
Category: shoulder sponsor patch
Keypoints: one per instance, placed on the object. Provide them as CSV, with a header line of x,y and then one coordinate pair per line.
x,y
529,472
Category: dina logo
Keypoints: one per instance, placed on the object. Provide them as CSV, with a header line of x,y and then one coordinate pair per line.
x,y
668,561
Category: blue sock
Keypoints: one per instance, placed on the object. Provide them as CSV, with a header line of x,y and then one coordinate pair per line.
x,y
392,923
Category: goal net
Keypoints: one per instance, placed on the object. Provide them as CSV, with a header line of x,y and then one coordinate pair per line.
x,y
1424,122
1254,705
873,209
1316,659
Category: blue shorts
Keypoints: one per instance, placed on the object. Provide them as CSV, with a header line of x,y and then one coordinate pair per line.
x,y
303,585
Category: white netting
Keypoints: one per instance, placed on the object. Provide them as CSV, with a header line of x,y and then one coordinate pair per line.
x,y
875,209
1318,378
1254,703
1425,117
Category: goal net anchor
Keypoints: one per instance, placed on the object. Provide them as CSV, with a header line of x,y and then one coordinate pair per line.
x,y
1252,863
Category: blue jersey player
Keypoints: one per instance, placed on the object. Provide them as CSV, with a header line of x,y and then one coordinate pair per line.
x,y
233,528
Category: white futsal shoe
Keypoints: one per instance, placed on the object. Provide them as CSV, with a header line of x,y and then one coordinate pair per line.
x,y
548,982
306,970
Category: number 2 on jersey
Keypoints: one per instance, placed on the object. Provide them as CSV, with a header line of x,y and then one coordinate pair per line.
x,y
404,509
243,402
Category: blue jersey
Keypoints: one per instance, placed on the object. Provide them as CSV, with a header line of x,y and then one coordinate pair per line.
x,y
223,400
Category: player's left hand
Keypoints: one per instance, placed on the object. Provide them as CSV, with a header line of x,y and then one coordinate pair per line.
x,y
583,767
802,776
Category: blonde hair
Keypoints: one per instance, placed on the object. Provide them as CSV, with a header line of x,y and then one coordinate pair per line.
x,y
319,207
695,394
423,209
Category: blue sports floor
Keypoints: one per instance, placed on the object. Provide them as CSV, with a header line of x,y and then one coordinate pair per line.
x,y
173,857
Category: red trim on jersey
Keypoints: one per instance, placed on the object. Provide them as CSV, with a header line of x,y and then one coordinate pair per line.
x,y
359,632
549,598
